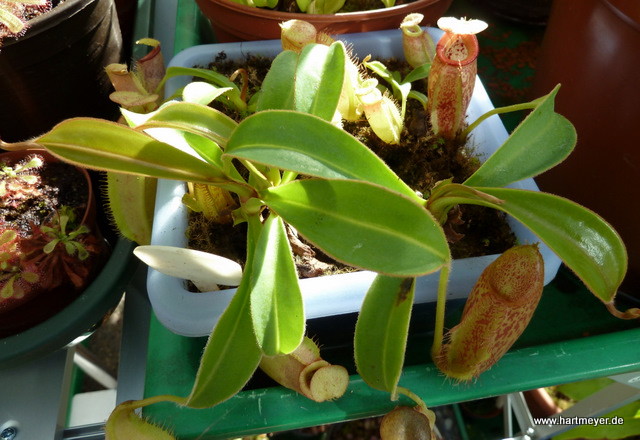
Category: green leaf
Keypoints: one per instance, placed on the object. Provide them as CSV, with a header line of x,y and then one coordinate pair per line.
x,y
213,77
381,331
420,72
207,74
309,145
583,240
277,87
319,79
265,3
276,299
109,146
230,357
303,5
232,354
203,93
205,147
363,225
193,118
310,82
541,141
400,90
325,6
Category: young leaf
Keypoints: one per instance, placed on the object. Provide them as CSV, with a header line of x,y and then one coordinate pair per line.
x,y
203,93
381,331
230,356
541,141
276,299
400,89
310,82
420,72
213,77
193,118
114,147
277,86
232,353
325,6
309,145
584,241
362,224
319,79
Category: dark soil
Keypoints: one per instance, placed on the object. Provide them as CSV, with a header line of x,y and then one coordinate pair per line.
x,y
61,184
420,160
24,206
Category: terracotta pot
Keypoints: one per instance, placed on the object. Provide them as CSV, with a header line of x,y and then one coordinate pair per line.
x,y
56,70
592,47
530,12
540,403
18,314
235,22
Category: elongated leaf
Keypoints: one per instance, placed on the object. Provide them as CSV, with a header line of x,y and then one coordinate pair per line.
x,y
309,145
214,78
584,241
205,147
310,82
103,145
319,79
276,299
193,118
324,6
363,225
200,92
206,74
541,141
277,89
232,354
420,72
381,331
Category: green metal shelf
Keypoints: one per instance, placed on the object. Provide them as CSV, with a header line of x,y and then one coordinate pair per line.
x,y
571,338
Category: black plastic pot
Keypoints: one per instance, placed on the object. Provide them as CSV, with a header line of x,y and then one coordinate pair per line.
x,y
56,70
50,322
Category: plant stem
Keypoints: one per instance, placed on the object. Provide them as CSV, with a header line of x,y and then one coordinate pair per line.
x,y
507,109
17,146
288,176
440,307
136,404
256,172
413,396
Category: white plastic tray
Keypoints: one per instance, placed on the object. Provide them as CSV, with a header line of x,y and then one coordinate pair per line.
x,y
194,314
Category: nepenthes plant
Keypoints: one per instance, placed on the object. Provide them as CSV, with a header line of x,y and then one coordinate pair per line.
x,y
288,162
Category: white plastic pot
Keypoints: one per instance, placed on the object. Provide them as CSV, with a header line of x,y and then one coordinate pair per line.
x,y
195,314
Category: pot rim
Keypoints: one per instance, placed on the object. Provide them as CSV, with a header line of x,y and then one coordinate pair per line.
x,y
88,217
322,18
50,19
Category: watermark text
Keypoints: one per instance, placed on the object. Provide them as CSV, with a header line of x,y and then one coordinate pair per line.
x,y
576,420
